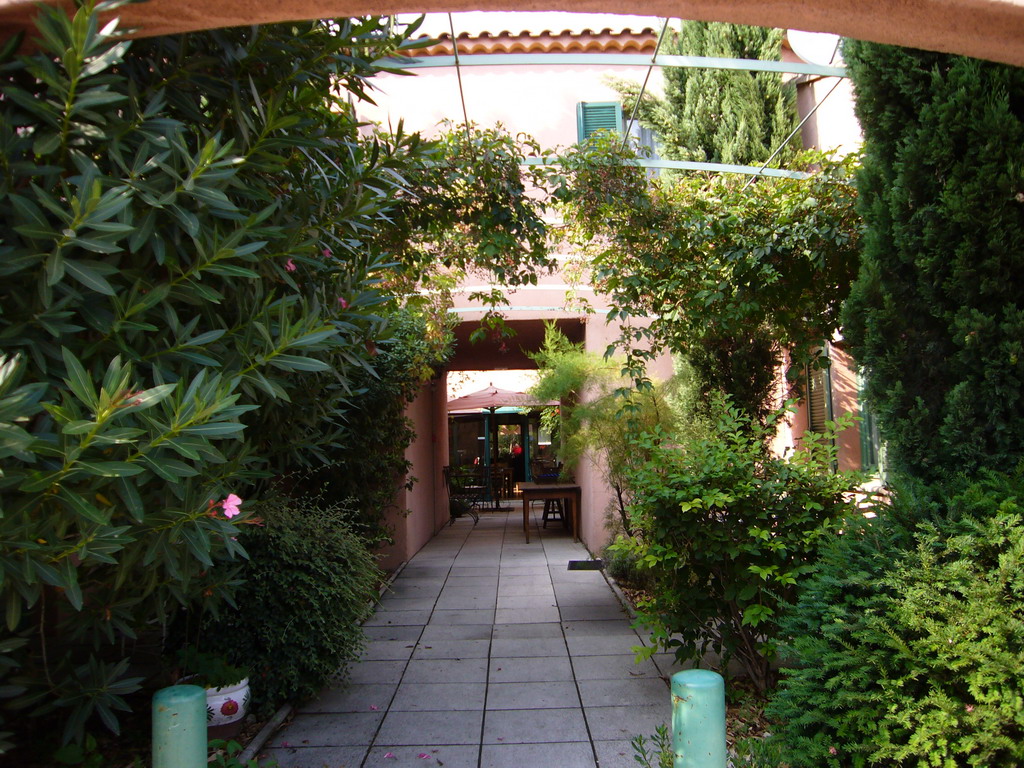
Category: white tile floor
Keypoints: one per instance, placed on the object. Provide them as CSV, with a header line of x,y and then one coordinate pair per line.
x,y
488,652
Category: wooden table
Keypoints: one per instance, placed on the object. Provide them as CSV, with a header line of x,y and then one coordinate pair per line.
x,y
566,492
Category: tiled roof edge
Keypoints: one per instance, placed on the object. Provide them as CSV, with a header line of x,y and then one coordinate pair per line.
x,y
607,40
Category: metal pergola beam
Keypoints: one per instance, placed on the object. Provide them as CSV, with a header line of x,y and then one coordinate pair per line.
x,y
615,60
686,165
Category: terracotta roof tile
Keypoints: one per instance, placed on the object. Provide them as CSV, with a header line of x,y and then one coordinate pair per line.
x,y
606,40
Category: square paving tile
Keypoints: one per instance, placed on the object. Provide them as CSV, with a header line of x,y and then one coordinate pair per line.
x,y
639,692
620,666
593,613
433,632
411,592
388,604
618,723
546,695
452,649
525,615
342,729
398,619
352,698
478,582
589,598
512,647
534,726
462,602
602,646
468,616
449,756
526,601
516,580
388,632
373,672
615,754
383,650
414,728
525,570
529,670
604,628
537,756
446,671
467,571
550,629
445,697
313,757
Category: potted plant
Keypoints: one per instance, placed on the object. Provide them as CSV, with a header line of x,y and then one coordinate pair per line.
x,y
227,689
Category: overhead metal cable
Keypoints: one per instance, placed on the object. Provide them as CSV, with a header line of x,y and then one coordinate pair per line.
x,y
458,73
643,88
791,135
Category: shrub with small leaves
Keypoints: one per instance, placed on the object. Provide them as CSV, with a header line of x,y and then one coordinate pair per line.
x,y
729,531
308,585
909,640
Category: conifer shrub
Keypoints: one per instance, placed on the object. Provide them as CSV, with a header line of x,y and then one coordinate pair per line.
x,y
307,587
908,640
936,316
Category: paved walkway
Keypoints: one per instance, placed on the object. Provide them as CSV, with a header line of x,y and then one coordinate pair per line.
x,y
488,652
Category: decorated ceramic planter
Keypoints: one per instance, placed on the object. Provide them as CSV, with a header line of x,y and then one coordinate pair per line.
x,y
227,705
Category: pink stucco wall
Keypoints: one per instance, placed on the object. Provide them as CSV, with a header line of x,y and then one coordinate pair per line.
x,y
427,501
843,373
538,100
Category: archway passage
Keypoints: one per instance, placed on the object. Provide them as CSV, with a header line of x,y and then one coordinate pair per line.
x,y
986,29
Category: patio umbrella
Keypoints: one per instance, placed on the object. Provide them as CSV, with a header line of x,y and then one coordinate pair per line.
x,y
493,397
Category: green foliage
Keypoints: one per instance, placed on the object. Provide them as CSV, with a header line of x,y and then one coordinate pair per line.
x,y
209,670
472,209
659,754
719,115
565,372
309,583
187,259
936,315
476,180
366,464
598,413
731,278
729,532
225,755
908,639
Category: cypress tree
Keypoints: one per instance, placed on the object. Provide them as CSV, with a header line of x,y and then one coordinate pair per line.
x,y
937,313
719,115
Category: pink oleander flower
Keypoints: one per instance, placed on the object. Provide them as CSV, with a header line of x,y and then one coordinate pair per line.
x,y
230,506
327,253
342,303
833,751
290,265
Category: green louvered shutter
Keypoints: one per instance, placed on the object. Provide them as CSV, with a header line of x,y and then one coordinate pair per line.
x,y
594,116
819,398
869,441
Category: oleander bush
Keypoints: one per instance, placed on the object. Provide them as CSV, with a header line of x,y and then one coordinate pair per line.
x,y
309,583
907,642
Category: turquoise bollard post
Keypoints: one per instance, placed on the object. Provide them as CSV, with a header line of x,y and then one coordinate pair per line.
x,y
179,727
698,719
